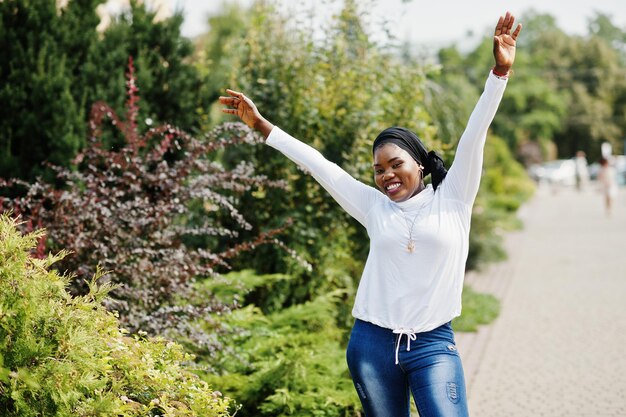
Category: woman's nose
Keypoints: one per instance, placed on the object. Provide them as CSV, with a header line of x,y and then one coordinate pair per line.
x,y
388,175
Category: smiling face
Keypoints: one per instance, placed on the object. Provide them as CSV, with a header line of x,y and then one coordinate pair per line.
x,y
396,173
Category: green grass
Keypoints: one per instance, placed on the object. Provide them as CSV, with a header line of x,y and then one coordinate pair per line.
x,y
478,309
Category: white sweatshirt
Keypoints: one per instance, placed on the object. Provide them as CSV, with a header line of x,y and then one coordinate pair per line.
x,y
419,291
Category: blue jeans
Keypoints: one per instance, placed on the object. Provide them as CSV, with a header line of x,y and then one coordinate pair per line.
x,y
431,371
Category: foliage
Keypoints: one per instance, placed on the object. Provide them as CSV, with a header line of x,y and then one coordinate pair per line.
x,y
148,213
335,93
41,48
592,74
567,93
504,188
170,83
603,27
450,98
504,178
214,58
54,64
66,356
287,361
478,309
504,184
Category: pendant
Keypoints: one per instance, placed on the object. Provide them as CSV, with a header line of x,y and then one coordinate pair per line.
x,y
411,246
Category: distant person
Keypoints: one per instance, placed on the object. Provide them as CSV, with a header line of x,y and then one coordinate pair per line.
x,y
410,290
608,183
582,170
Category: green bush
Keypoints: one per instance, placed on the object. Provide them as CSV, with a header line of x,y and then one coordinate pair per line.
x,y
478,309
284,361
504,188
66,356
149,212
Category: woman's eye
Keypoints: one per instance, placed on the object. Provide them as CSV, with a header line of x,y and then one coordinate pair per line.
x,y
396,166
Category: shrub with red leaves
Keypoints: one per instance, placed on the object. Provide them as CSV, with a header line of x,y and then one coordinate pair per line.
x,y
134,210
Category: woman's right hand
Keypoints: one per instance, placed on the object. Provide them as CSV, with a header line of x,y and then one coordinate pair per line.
x,y
246,110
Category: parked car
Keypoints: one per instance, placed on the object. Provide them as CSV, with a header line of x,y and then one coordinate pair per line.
x,y
557,172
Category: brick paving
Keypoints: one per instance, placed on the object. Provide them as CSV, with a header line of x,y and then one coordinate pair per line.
x,y
557,348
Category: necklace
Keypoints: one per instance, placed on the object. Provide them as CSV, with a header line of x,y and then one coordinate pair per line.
x,y
410,247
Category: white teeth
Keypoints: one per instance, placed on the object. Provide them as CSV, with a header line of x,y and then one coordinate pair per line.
x,y
392,186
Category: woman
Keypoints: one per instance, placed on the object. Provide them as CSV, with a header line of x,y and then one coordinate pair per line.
x,y
411,285
608,183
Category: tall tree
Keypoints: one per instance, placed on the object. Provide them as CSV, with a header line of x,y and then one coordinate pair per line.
x,y
169,83
41,50
602,26
54,65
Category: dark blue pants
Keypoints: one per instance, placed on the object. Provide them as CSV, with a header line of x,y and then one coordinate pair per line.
x,y
431,371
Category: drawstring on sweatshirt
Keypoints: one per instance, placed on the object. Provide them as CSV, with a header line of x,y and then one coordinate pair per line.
x,y
410,335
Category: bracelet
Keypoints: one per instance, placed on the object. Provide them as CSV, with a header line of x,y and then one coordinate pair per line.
x,y
500,76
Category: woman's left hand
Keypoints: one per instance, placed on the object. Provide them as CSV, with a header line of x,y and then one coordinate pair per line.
x,y
246,110
504,43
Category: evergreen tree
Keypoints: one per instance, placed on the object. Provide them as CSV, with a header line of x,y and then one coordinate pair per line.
x,y
169,84
41,49
54,65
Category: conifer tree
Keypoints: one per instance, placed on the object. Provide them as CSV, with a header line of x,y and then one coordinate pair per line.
x,y
169,84
42,116
54,65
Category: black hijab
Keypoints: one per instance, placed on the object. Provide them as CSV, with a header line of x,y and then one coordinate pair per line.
x,y
407,140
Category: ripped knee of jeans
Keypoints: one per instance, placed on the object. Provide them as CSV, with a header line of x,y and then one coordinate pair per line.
x,y
453,394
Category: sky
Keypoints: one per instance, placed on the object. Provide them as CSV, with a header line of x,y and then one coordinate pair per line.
x,y
432,23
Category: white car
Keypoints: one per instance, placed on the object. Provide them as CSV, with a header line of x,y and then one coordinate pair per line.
x,y
557,172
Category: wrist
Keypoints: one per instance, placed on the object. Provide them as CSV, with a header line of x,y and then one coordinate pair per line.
x,y
263,126
501,72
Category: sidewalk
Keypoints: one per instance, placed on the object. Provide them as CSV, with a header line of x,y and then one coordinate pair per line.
x,y
557,348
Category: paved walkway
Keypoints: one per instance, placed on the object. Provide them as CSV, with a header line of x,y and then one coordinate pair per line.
x,y
558,347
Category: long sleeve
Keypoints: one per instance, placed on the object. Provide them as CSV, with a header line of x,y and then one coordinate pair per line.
x,y
463,178
353,196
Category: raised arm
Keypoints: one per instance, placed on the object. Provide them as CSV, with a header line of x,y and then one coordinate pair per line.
x,y
354,197
463,178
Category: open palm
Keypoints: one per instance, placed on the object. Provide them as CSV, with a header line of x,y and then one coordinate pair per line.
x,y
504,42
